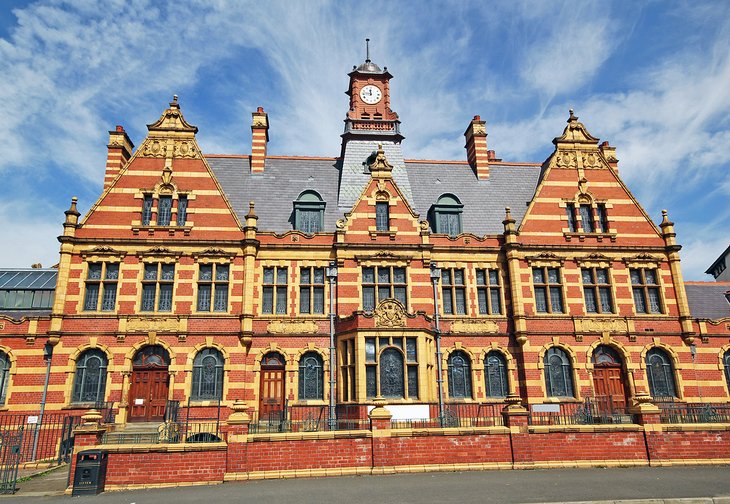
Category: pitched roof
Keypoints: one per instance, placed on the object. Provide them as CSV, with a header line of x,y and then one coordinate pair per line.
x,y
422,182
708,300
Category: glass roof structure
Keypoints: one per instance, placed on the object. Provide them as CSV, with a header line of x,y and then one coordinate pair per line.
x,y
27,289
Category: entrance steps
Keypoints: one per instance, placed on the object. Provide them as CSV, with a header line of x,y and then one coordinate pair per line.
x,y
134,433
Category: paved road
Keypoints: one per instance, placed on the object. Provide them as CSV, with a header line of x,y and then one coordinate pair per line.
x,y
559,485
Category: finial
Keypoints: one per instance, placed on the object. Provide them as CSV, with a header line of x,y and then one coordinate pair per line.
x,y
507,213
174,98
572,116
250,206
367,50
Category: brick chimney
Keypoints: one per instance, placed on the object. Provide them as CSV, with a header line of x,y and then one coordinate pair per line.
x,y
476,147
259,139
119,151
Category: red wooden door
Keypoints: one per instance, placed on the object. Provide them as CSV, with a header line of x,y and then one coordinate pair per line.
x,y
272,393
148,395
609,387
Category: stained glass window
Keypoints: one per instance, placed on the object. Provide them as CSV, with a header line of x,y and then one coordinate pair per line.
x,y
213,287
388,370
645,289
182,209
311,376
164,210
602,217
445,215
597,290
382,216
726,365
391,373
548,290
101,278
558,373
147,210
383,282
208,375
660,373
495,375
586,218
459,374
274,290
453,291
4,376
309,212
570,212
488,292
311,290
157,286
90,377
152,356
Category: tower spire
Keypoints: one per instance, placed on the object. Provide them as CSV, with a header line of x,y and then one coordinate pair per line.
x,y
367,50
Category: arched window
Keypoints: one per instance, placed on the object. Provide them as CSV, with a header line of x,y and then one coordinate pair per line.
x,y
660,374
495,375
309,212
4,376
391,373
446,215
725,363
207,375
459,375
558,373
311,376
90,378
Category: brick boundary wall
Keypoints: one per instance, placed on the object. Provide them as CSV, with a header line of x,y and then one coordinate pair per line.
x,y
381,450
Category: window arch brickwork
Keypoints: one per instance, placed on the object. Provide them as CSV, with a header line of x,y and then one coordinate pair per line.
x,y
208,367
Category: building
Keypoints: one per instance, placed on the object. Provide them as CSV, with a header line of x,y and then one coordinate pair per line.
x,y
718,269
206,279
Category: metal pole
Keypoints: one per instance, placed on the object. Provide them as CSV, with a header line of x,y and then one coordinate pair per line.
x,y
437,330
48,355
333,371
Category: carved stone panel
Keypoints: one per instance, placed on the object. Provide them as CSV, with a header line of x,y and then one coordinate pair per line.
x,y
292,327
474,326
390,313
156,324
586,325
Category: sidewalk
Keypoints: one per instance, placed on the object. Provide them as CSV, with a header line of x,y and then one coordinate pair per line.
x,y
42,482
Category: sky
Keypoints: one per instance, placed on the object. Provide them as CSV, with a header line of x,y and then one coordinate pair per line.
x,y
651,77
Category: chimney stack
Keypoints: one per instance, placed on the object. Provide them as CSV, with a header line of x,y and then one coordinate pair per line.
x,y
259,139
119,151
476,147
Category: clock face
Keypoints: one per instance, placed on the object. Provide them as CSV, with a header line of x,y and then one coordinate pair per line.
x,y
371,94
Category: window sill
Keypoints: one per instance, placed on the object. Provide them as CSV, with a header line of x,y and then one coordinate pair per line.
x,y
170,230
561,400
202,403
582,236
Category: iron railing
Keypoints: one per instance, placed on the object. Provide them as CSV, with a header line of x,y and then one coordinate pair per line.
x,y
593,411
677,413
49,431
458,415
302,418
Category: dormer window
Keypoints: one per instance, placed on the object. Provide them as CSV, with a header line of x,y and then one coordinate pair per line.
x,y
382,216
309,212
446,215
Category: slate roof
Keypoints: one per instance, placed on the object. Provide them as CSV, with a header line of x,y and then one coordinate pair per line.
x,y
707,300
422,183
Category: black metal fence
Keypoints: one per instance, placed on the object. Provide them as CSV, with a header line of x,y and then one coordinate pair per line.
x,y
677,413
458,415
590,412
301,418
44,437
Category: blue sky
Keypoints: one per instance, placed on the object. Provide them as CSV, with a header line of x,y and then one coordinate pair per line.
x,y
651,77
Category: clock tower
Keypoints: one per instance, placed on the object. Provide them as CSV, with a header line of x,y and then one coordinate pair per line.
x,y
370,114
370,125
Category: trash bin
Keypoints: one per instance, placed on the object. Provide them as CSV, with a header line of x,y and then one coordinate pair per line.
x,y
90,475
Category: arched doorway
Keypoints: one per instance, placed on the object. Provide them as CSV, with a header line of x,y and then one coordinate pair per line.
x,y
150,383
609,379
271,397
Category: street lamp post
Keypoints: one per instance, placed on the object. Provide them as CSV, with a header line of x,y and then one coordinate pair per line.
x,y
331,273
47,356
435,276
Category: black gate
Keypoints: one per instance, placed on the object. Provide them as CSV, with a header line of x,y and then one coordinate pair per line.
x,y
66,446
10,454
